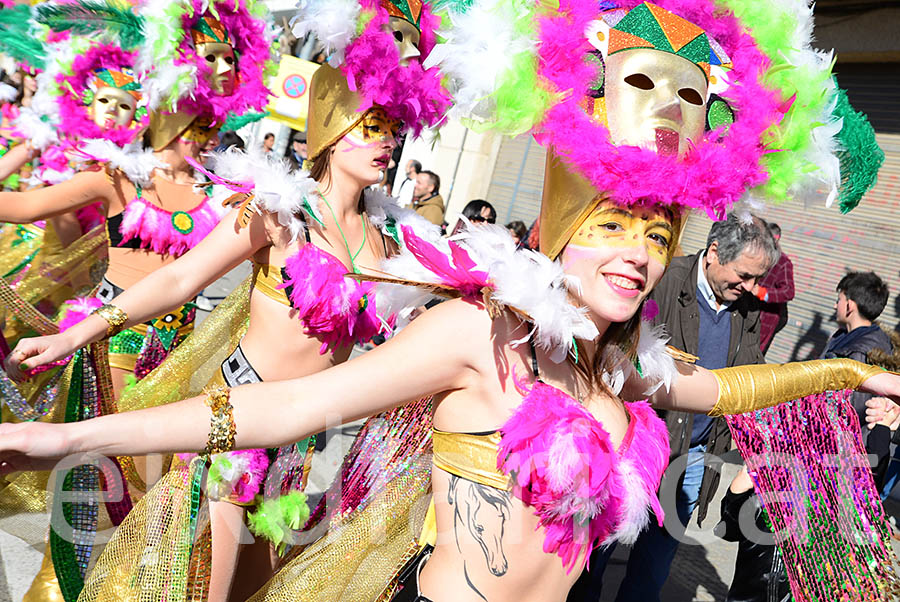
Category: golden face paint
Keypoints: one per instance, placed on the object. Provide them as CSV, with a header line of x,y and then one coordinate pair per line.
x,y
613,226
112,107
654,100
374,128
223,67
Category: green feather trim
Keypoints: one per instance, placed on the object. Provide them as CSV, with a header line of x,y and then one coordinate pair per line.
x,y
17,36
861,157
94,16
219,464
236,122
130,381
274,519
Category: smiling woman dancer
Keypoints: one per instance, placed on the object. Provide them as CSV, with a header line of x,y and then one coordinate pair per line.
x,y
539,451
303,232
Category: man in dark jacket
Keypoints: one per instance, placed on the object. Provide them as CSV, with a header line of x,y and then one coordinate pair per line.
x,y
706,303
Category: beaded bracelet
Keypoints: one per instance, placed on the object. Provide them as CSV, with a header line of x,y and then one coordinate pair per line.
x,y
115,318
222,430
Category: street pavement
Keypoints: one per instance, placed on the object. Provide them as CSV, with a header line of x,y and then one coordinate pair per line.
x,y
699,573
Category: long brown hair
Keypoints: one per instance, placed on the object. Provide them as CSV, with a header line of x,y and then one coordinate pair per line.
x,y
321,170
590,366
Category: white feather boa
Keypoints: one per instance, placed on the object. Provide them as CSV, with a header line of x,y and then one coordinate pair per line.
x,y
657,366
333,22
277,189
479,48
526,280
8,93
136,162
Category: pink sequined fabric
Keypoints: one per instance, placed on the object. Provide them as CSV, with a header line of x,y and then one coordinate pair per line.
x,y
812,475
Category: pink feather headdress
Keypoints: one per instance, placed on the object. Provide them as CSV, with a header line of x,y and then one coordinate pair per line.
x,y
252,49
357,36
75,120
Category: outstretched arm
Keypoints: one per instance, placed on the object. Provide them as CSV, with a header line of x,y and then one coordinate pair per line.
x,y
12,161
83,189
428,357
745,388
225,247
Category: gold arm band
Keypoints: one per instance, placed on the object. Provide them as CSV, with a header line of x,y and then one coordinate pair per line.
x,y
222,430
754,387
115,318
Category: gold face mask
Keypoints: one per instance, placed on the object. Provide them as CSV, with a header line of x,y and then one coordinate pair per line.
x,y
223,68
112,107
374,128
611,225
406,38
654,100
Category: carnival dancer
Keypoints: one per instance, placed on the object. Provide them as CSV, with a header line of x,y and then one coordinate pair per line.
x,y
538,453
202,61
88,98
303,231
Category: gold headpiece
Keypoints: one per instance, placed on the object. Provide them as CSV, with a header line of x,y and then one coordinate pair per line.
x,y
333,110
166,127
569,199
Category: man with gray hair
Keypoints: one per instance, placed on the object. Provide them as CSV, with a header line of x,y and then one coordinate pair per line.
x,y
706,303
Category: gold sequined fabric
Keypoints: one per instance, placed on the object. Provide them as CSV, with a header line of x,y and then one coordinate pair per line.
x,y
371,517
472,457
358,558
746,388
135,565
148,557
45,587
57,274
196,361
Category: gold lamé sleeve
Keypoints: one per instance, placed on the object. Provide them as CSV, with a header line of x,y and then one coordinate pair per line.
x,y
754,387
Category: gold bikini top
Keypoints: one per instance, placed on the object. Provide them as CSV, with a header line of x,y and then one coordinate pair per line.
x,y
472,456
266,279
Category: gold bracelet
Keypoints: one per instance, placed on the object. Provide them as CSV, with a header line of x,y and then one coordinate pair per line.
x,y
754,387
115,318
222,430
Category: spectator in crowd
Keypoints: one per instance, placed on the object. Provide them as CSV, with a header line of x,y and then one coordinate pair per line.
x,y
268,143
862,297
405,190
775,290
706,303
297,153
478,211
427,200
518,230
532,237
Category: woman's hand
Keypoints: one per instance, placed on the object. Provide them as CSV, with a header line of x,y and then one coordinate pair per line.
x,y
32,446
37,351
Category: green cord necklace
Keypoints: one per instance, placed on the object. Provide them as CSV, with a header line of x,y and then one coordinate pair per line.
x,y
364,300
352,256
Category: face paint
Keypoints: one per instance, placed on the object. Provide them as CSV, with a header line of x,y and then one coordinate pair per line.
x,y
223,70
406,38
374,128
112,107
655,100
613,226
